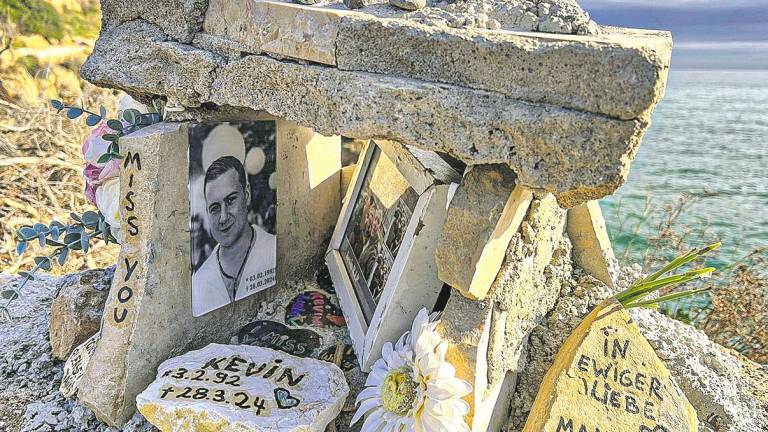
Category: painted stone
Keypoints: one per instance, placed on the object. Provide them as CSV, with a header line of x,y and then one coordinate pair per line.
x,y
607,377
313,309
275,335
348,359
243,388
75,365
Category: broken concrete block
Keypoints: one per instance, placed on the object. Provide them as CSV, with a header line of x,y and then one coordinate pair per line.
x,y
284,29
592,249
180,19
76,311
728,391
487,336
610,372
484,214
243,388
629,67
587,155
466,325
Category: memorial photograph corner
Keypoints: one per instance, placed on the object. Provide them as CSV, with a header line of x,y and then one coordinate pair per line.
x,y
383,216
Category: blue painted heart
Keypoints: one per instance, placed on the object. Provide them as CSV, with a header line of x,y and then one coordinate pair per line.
x,y
284,399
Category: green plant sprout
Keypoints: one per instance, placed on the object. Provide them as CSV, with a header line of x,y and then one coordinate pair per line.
x,y
636,294
64,239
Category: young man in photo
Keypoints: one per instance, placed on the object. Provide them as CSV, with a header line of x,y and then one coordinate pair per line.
x,y
243,261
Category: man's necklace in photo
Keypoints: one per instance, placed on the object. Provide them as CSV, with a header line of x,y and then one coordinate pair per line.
x,y
242,265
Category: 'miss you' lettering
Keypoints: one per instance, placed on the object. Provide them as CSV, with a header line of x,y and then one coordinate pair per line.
x,y
122,307
270,370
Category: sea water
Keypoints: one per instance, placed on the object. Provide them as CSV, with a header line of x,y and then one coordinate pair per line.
x,y
708,139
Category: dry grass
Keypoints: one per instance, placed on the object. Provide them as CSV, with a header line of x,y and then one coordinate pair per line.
x,y
40,152
735,311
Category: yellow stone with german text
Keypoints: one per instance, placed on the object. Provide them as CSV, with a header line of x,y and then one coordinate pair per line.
x,y
607,378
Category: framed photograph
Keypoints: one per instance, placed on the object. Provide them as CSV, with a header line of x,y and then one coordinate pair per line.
x,y
232,199
382,253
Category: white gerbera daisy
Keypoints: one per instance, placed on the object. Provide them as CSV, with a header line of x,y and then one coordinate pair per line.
x,y
412,387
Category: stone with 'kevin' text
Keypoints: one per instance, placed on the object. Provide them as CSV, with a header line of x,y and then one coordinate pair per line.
x,y
243,388
607,377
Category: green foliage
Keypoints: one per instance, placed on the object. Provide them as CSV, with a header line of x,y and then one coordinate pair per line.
x,y
132,120
636,294
62,239
33,16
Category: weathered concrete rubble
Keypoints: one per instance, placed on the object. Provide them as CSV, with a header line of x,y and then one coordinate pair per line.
x,y
487,337
565,134
729,392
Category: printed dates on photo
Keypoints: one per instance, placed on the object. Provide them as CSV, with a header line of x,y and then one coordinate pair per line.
x,y
238,399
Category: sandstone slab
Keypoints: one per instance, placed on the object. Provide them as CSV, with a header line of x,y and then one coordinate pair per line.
x,y
574,154
627,69
484,214
592,250
180,19
76,311
243,388
610,372
283,29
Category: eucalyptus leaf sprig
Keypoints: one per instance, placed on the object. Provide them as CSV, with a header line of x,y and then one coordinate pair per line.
x,y
75,236
130,121
636,294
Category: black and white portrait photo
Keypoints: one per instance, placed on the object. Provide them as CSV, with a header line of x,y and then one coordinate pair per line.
x,y
232,194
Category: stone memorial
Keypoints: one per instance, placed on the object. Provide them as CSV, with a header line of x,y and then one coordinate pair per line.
x,y
149,315
244,388
607,377
492,246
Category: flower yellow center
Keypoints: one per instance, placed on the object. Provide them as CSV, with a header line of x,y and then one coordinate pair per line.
x,y
398,392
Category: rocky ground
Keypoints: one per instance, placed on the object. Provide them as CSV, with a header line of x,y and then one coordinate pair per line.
x,y
29,395
728,391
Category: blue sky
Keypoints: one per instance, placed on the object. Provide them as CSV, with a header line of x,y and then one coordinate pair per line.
x,y
709,34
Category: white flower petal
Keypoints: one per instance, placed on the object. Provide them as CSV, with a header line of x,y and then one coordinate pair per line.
x,y
447,388
367,393
364,408
373,422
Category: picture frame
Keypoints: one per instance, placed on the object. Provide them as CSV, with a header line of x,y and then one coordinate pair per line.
x,y
381,257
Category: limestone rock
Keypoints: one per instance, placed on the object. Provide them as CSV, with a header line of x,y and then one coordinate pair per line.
x,y
610,371
180,19
354,4
243,388
409,5
587,154
484,214
154,62
76,310
728,391
628,69
278,28
592,249
76,364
